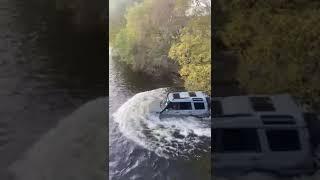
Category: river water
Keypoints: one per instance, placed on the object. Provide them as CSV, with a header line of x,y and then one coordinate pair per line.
x,y
46,71
141,146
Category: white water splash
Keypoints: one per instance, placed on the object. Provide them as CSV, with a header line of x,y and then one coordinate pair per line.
x,y
170,137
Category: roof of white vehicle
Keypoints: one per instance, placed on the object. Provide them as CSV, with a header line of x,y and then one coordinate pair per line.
x,y
274,108
186,96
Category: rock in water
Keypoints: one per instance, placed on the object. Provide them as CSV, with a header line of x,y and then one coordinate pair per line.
x,y
75,149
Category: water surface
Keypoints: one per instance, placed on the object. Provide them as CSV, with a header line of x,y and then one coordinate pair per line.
x,y
46,71
141,146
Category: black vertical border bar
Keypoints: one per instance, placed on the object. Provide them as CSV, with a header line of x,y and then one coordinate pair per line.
x,y
214,8
107,49
107,89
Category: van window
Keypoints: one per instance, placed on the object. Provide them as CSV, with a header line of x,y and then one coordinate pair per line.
x,y
173,106
185,106
283,140
236,140
199,105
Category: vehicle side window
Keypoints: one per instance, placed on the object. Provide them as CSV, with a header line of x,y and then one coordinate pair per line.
x,y
283,140
236,140
199,105
173,106
185,106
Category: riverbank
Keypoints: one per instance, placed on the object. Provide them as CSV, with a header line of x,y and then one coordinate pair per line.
x,y
171,73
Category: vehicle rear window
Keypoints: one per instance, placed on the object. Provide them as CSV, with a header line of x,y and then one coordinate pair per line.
x,y
185,105
199,105
283,140
236,140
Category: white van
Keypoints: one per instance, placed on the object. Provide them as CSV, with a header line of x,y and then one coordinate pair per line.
x,y
260,133
185,104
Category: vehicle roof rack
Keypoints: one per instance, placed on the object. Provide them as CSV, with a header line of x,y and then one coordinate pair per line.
x,y
197,99
262,103
192,94
176,96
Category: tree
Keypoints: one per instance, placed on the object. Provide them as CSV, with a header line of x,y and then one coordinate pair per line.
x,y
278,47
151,26
193,52
157,31
117,10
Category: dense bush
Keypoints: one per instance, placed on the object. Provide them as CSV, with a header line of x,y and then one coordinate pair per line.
x,y
277,43
159,35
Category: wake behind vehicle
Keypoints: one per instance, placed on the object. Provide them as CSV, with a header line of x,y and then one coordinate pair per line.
x,y
186,104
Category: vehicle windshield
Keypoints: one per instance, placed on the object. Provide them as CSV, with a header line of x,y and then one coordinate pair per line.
x,y
164,103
